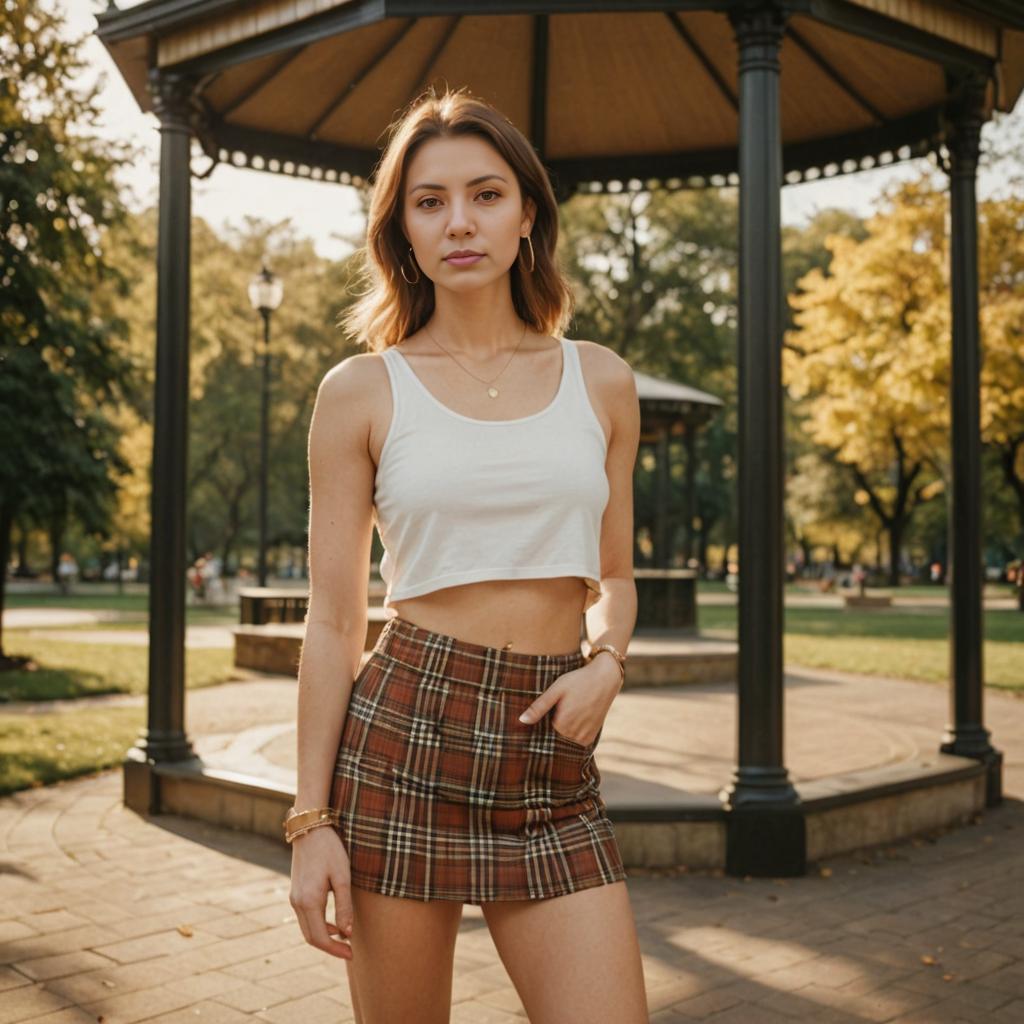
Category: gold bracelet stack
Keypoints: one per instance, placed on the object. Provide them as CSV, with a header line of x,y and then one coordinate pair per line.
x,y
619,657
297,823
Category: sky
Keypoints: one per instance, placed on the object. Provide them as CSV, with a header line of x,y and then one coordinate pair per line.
x,y
323,211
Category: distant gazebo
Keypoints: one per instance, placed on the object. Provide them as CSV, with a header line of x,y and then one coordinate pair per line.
x,y
615,96
669,412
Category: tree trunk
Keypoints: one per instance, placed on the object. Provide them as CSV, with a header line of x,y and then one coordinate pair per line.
x,y
22,567
6,524
896,526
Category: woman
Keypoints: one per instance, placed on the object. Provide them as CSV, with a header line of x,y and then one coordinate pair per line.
x,y
496,457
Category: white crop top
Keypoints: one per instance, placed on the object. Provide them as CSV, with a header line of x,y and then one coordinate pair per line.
x,y
459,499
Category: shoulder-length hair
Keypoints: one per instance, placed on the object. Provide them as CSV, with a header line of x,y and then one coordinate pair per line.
x,y
390,309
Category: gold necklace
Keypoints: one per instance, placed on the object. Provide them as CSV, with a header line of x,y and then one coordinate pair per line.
x,y
491,389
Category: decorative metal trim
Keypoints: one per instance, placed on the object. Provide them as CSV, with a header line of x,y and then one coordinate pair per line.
x,y
806,161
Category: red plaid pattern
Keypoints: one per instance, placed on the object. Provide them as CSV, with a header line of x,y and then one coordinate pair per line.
x,y
444,794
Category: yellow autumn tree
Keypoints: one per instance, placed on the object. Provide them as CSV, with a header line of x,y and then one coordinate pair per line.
x,y
1002,332
868,361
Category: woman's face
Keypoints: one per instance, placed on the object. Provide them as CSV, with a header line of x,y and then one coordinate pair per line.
x,y
461,194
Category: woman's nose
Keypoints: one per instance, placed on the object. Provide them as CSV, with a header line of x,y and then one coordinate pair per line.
x,y
459,218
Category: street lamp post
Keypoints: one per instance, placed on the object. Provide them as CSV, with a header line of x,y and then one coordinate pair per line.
x,y
265,294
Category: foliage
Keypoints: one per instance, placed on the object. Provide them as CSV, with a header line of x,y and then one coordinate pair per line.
x,y
226,378
655,279
61,367
869,358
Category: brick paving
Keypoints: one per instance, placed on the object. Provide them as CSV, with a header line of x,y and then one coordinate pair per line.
x,y
105,915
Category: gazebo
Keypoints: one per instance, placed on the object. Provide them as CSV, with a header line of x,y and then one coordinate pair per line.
x,y
673,94
669,411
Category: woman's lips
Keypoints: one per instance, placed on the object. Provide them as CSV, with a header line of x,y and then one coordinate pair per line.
x,y
463,261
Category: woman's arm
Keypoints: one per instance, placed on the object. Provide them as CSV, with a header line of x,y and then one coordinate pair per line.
x,y
341,479
584,695
612,618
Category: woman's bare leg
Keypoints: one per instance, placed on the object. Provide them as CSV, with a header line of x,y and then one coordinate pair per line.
x,y
403,954
573,959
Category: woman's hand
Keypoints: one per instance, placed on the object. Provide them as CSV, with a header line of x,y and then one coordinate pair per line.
x,y
581,699
320,862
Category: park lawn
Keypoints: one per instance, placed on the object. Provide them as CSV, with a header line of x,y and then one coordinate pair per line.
x,y
134,600
44,747
140,621
68,669
38,749
890,642
132,608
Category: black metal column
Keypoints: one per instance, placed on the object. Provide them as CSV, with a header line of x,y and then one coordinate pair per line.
x,y
967,735
766,829
664,532
164,738
264,447
689,490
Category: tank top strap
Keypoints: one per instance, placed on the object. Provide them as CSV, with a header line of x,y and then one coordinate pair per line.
x,y
580,408
401,393
412,400
574,371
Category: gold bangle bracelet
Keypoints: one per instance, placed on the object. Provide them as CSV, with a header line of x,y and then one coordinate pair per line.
x,y
297,822
617,655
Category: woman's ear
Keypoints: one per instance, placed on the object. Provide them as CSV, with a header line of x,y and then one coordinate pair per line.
x,y
529,214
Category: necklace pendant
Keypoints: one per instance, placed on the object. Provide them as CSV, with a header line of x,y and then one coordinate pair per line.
x,y
493,392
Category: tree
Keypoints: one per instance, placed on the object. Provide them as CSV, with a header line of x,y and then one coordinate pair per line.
x,y
870,355
655,277
61,368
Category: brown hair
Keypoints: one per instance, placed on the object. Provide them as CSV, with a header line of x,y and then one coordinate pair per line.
x,y
391,309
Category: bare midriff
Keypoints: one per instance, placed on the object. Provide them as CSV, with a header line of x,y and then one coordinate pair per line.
x,y
530,616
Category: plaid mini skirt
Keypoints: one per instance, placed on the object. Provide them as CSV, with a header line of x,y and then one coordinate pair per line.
x,y
444,794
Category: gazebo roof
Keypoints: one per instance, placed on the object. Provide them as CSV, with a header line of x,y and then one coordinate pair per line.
x,y
661,390
307,86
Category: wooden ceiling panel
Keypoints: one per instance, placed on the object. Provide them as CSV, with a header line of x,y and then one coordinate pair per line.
x,y
895,82
621,82
306,87
233,83
430,50
467,55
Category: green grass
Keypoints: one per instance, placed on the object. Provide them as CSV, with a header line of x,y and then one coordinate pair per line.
x,y
109,600
140,621
46,746
67,669
885,641
131,607
38,749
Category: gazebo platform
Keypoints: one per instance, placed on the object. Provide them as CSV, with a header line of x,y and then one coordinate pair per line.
x,y
861,751
656,657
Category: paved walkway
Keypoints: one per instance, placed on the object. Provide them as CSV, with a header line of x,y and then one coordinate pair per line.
x,y
107,916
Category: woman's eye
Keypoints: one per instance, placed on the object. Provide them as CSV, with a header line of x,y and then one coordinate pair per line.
x,y
433,199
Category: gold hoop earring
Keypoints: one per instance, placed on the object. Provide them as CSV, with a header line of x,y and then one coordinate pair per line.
x,y
533,261
401,267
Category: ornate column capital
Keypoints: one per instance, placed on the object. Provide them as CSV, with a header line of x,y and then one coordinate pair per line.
x,y
172,95
965,115
758,27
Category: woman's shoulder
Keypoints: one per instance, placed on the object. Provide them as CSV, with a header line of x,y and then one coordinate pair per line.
x,y
604,368
354,390
354,376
